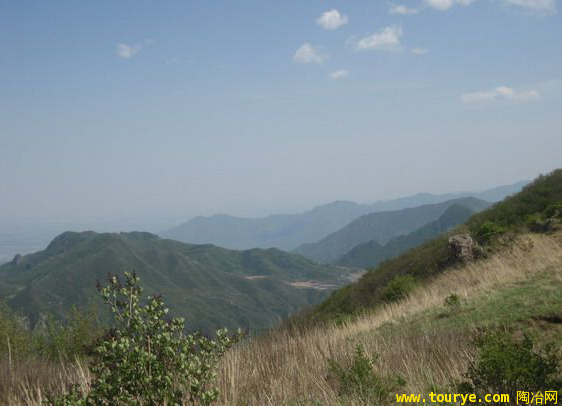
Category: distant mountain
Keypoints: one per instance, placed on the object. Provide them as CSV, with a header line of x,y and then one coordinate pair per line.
x,y
370,254
288,231
380,227
209,286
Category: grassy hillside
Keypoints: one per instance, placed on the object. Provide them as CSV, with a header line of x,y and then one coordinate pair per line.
x,y
209,286
535,207
427,343
370,254
381,228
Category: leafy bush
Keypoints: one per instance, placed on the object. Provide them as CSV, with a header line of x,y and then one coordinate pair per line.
x,y
360,381
147,359
507,365
488,230
399,287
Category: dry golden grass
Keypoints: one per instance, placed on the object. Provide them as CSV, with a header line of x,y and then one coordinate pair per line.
x,y
28,382
289,368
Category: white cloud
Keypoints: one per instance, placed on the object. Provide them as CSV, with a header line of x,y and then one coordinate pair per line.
x,y
501,92
538,6
400,9
387,39
339,74
309,53
125,51
446,4
332,20
171,60
419,51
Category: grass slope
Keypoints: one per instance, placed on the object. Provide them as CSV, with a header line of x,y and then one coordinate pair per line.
x,y
420,339
208,285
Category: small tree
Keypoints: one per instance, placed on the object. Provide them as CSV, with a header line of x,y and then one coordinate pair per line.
x,y
359,380
147,359
399,288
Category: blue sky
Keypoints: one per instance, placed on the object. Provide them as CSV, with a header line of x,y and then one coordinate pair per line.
x,y
114,110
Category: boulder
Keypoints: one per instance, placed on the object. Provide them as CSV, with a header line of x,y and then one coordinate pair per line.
x,y
17,259
463,247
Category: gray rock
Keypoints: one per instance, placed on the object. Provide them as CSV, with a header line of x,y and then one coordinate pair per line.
x,y
463,247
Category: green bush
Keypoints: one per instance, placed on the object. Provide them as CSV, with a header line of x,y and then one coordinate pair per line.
x,y
488,230
507,365
147,359
553,211
399,287
452,301
70,338
15,340
359,381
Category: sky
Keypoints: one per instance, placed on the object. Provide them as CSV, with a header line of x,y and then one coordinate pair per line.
x,y
118,112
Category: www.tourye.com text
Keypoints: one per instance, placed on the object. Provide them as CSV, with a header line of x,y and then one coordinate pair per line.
x,y
526,398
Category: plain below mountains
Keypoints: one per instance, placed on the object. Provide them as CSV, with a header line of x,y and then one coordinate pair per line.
x,y
289,231
210,287
380,228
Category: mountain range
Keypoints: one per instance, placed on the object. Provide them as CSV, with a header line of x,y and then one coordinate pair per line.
x,y
209,286
370,254
381,227
289,231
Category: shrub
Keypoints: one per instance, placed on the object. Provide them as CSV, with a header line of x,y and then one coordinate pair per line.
x,y
452,301
399,288
507,365
147,359
70,338
553,210
488,230
360,381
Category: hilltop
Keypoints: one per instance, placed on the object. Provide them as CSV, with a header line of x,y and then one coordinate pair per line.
x,y
209,286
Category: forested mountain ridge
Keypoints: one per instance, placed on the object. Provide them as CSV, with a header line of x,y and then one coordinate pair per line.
x,y
380,227
370,254
209,286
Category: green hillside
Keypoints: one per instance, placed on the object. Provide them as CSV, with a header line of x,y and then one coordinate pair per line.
x,y
209,286
538,207
370,254
380,227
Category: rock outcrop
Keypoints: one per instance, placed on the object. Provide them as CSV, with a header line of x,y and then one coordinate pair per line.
x,y
463,247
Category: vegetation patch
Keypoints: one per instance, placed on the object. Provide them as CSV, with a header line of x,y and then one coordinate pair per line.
x,y
146,359
505,364
359,381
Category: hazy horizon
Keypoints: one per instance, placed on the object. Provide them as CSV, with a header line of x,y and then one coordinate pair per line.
x,y
151,113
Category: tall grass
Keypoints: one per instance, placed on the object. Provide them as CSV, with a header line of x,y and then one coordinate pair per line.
x,y
291,368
